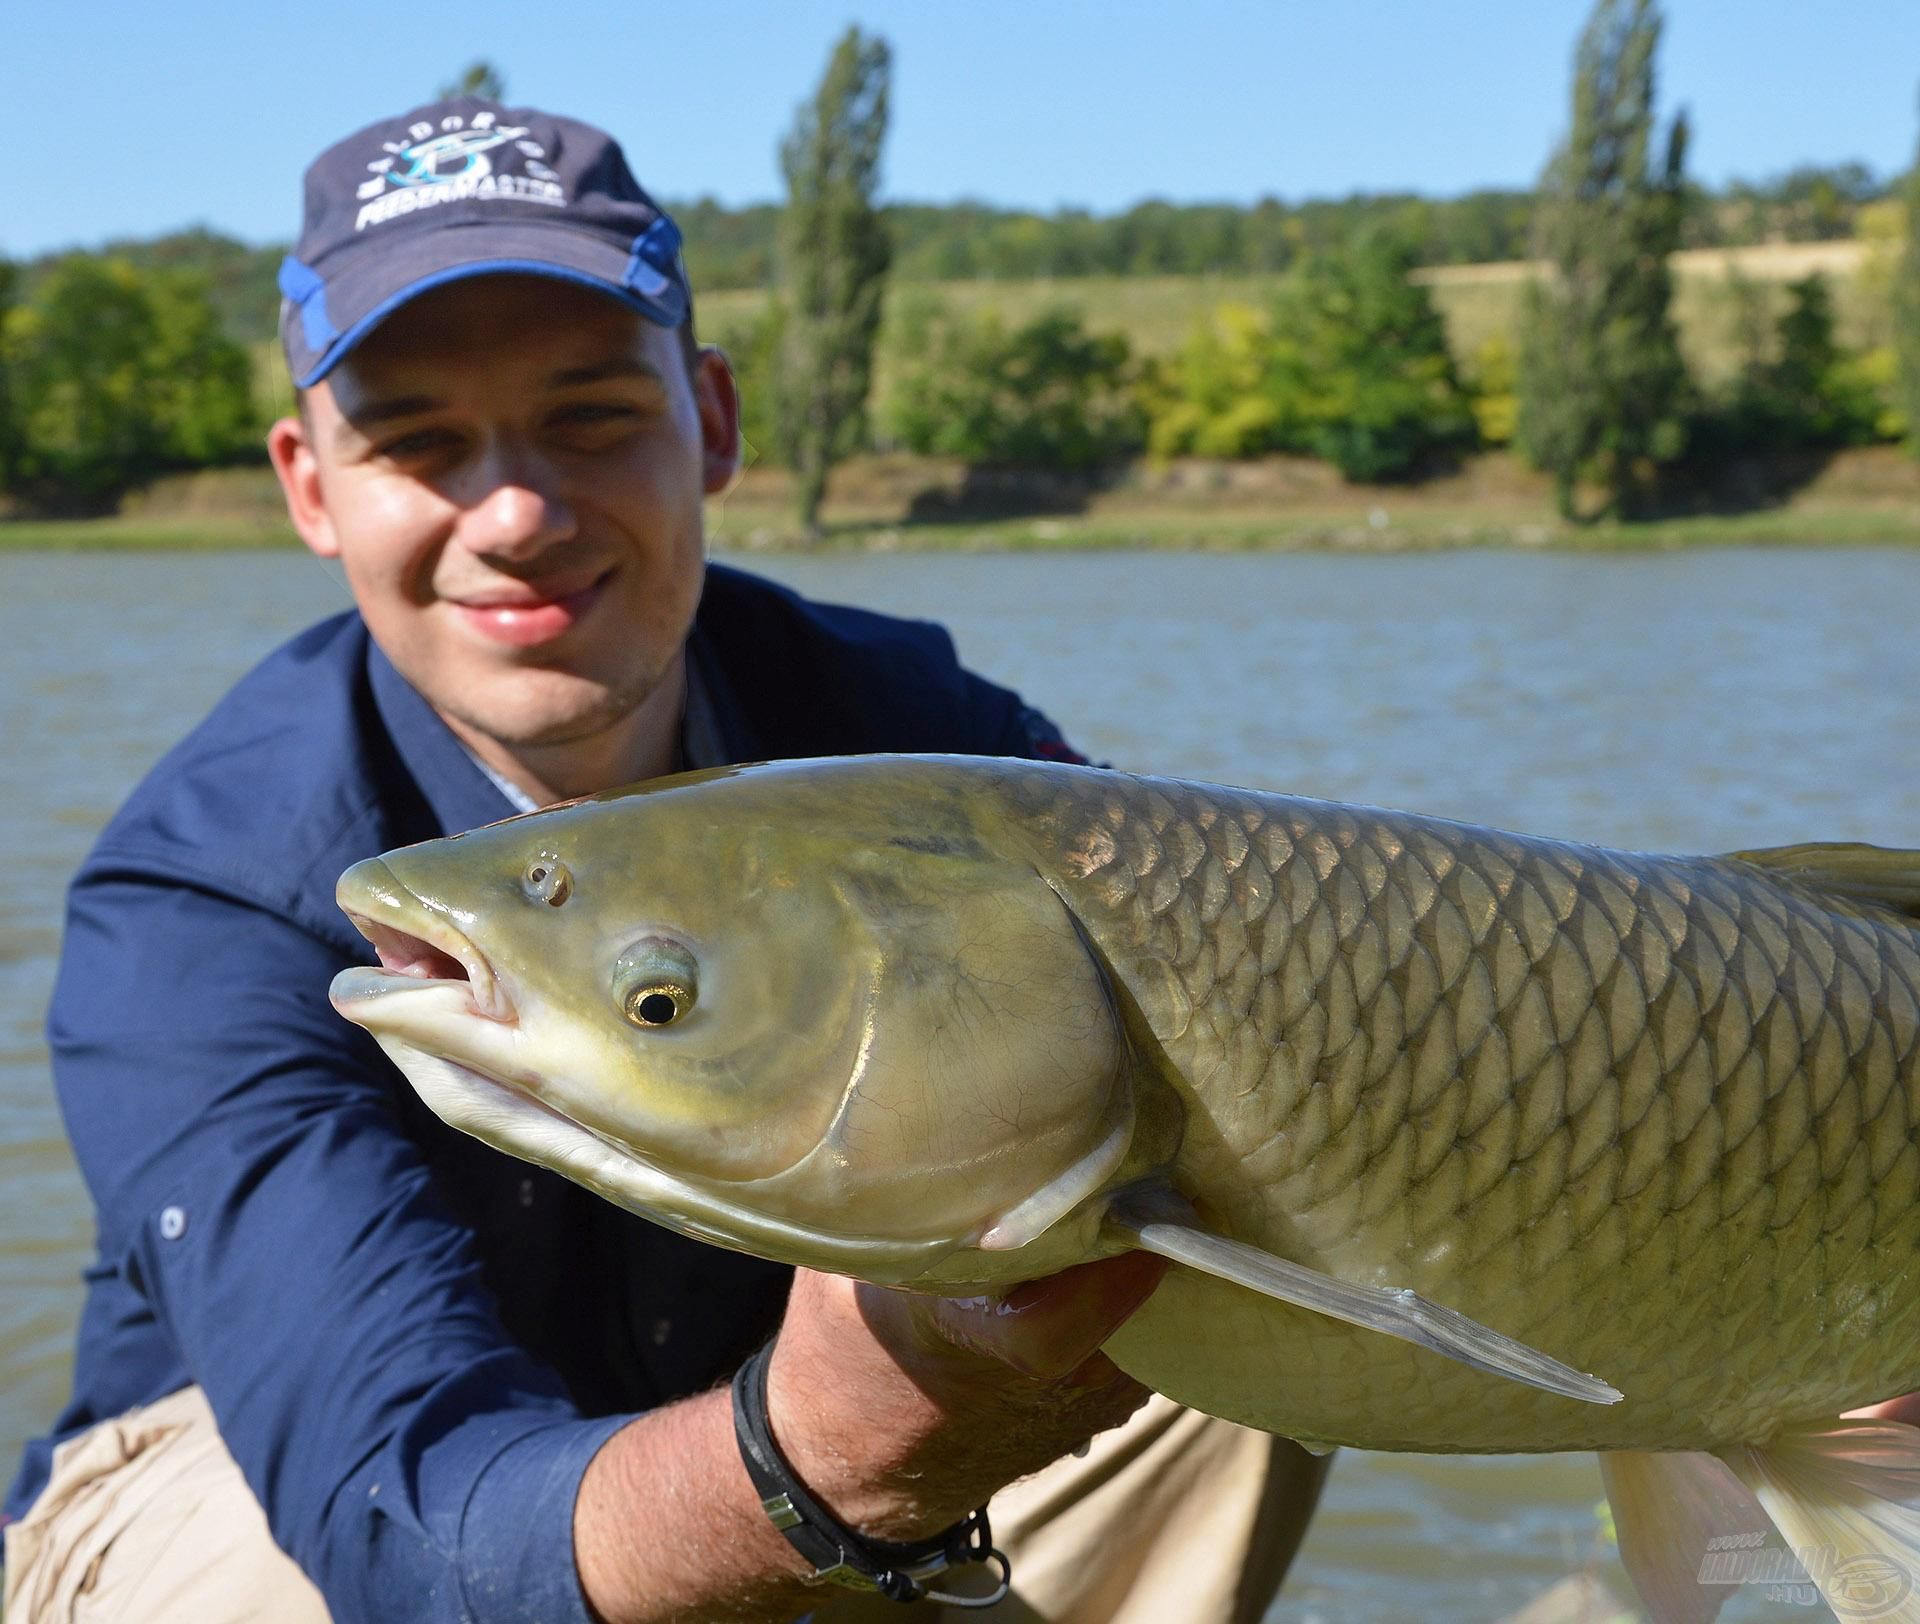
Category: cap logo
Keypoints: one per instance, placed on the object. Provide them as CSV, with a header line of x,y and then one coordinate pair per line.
x,y
452,161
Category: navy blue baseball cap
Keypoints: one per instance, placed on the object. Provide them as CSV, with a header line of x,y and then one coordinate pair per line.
x,y
468,188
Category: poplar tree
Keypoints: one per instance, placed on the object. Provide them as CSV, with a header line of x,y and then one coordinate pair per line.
x,y
1906,314
481,79
834,254
1603,388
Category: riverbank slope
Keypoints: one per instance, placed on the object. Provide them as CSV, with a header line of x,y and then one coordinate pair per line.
x,y
898,503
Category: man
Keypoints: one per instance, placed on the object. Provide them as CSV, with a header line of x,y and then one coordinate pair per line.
x,y
460,1387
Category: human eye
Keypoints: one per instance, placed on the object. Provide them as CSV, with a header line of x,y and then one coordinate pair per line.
x,y
591,424
419,445
596,411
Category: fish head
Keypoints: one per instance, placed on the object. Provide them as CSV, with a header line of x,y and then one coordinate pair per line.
x,y
814,1011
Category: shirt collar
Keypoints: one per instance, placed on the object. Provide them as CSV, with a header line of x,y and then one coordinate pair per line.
x,y
464,792
459,794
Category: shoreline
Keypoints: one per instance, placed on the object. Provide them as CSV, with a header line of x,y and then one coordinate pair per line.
x,y
897,504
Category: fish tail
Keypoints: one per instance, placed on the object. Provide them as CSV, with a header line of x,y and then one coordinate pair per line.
x,y
1844,1498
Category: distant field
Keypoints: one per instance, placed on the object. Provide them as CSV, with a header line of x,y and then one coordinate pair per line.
x,y
1477,300
1157,312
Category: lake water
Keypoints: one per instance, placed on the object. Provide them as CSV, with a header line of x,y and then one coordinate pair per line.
x,y
1682,701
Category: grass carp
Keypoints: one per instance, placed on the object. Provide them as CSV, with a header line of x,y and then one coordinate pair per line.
x,y
1434,1119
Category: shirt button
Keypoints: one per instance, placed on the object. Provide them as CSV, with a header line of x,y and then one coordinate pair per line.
x,y
526,1192
662,1329
173,1223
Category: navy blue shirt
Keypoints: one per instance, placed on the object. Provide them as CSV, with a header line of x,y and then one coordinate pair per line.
x,y
413,1344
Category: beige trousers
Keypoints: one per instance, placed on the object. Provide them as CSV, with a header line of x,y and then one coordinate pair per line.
x,y
146,1520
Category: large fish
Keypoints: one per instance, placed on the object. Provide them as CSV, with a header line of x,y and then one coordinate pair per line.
x,y
1435,1120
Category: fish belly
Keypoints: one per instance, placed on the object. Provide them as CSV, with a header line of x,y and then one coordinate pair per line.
x,y
1653,1116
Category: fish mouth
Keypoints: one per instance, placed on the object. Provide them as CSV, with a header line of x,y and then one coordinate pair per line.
x,y
417,945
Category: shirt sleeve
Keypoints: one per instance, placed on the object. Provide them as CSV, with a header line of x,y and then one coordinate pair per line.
x,y
1009,726
256,1185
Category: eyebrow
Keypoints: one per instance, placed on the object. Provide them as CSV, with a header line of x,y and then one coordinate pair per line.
x,y
384,411
615,366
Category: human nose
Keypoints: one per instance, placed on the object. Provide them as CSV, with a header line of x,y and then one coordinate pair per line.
x,y
516,505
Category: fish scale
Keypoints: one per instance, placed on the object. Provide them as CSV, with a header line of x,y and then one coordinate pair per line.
x,y
1653,1116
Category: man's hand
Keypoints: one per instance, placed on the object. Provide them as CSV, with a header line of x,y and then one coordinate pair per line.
x,y
901,1413
904,1412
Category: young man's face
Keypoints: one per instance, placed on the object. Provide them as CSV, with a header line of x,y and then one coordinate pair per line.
x,y
510,470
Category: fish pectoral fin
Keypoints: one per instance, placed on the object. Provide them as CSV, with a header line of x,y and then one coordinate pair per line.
x,y
1689,1531
1158,1221
1846,1499
1056,1198
1882,876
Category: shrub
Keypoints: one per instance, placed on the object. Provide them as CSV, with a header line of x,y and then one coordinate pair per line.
x,y
1210,398
1493,387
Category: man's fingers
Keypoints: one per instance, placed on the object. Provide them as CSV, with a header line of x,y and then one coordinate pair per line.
x,y
1052,1329
1906,1409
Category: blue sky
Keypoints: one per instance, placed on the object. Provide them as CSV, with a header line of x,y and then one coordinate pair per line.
x,y
131,118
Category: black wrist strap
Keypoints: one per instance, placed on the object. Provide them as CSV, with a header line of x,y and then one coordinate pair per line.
x,y
837,1553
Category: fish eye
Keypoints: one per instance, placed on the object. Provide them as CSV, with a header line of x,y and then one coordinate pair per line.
x,y
657,1005
655,982
547,880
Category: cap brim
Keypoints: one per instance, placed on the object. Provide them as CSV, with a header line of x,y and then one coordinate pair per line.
x,y
360,296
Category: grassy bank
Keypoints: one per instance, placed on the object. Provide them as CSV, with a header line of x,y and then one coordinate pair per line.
x,y
140,533
900,503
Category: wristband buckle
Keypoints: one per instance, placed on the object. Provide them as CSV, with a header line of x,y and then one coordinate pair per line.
x,y
838,1554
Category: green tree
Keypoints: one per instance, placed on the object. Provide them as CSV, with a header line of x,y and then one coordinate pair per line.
x,y
834,254
1603,388
1209,398
1046,394
1798,387
117,376
481,79
1350,363
752,345
201,385
1906,315
1801,381
1362,367
9,428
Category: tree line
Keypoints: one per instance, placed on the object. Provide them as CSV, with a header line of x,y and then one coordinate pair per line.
x,y
732,248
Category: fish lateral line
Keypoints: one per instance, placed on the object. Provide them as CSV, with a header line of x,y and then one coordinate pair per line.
x,y
1155,1219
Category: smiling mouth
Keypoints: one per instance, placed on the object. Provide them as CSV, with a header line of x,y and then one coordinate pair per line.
x,y
532,596
521,622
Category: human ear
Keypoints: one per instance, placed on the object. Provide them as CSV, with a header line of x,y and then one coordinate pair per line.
x,y
290,449
718,400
